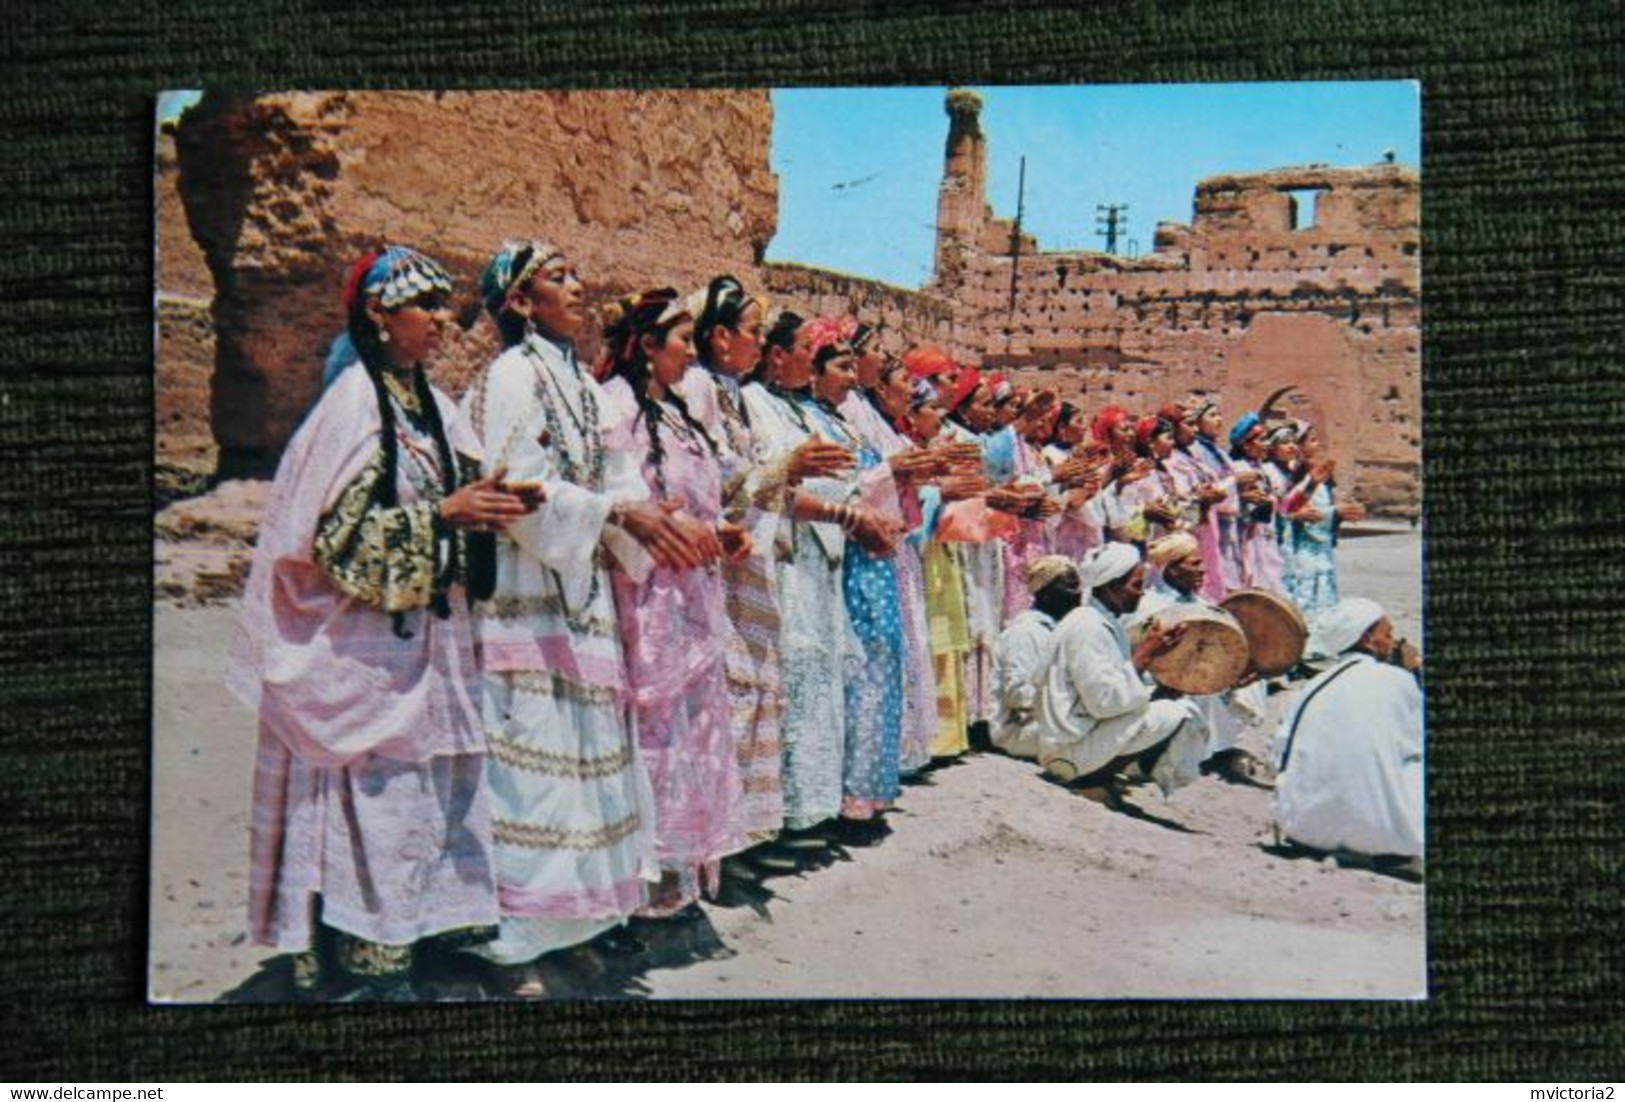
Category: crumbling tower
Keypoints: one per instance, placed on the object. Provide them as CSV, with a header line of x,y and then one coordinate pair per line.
x,y
962,209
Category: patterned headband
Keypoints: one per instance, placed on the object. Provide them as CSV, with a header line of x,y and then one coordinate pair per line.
x,y
513,264
397,275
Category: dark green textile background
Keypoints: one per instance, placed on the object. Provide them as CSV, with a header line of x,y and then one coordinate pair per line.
x,y
1524,241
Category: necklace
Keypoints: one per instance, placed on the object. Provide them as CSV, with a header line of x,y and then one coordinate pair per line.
x,y
588,471
792,400
405,395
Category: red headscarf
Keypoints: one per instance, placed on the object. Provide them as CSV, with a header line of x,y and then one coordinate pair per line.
x,y
928,359
1105,424
957,390
1146,427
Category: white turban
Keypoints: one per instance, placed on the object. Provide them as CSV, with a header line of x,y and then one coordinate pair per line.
x,y
1342,625
1106,563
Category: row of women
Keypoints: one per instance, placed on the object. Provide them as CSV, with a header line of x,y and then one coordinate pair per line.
x,y
532,664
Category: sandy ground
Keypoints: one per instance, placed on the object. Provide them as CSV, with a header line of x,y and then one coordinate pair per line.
x,y
993,882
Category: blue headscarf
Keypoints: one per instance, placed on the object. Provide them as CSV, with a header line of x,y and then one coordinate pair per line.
x,y
1239,431
397,275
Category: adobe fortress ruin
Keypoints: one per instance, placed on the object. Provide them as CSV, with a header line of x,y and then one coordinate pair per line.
x,y
263,201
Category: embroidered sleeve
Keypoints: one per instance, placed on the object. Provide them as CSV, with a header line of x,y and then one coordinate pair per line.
x,y
385,558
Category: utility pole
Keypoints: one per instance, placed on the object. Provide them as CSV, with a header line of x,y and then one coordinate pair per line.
x,y
1015,254
1110,219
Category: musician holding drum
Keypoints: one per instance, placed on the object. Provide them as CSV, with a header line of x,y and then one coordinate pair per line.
x,y
1096,712
1178,575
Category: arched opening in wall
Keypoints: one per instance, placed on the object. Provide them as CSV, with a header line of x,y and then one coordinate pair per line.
x,y
1312,352
1301,207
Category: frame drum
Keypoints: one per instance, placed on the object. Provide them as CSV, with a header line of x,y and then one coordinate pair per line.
x,y
1276,633
1209,658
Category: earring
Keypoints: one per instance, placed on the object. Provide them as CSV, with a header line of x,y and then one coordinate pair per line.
x,y
383,336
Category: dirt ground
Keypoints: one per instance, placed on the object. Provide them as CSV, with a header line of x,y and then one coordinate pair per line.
x,y
992,882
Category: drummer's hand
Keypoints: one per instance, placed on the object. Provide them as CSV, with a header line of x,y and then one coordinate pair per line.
x,y
1406,656
1157,640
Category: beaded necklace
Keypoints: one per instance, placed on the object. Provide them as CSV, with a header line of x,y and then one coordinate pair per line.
x,y
588,474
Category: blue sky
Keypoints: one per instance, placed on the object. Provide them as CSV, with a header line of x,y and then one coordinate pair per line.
x,y
858,168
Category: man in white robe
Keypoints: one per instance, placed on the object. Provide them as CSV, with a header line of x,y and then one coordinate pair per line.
x,y
1349,751
1096,711
1178,575
1023,651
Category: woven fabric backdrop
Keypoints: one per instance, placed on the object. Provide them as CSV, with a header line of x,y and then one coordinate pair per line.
x,y
1524,364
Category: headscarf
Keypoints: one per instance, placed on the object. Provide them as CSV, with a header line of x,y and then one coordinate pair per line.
x,y
1174,413
1046,569
921,392
650,312
828,339
1107,562
397,275
1284,433
720,303
1170,549
513,264
1200,404
1147,427
960,387
928,359
1105,423
1341,626
1241,430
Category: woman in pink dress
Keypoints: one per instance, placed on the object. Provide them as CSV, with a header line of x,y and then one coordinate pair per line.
x,y
372,829
673,623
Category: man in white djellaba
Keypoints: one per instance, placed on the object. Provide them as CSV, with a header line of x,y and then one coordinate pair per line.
x,y
1097,713
1348,753
1022,654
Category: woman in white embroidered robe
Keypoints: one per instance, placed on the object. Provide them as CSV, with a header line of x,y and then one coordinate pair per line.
x,y
572,807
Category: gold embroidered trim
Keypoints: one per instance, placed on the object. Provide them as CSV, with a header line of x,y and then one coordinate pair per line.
x,y
546,604
530,836
382,557
551,764
547,683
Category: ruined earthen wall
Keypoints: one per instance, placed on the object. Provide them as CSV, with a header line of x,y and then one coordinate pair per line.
x,y
1241,302
185,335
903,315
283,191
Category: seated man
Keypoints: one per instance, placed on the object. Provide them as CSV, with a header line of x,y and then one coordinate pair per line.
x,y
1095,711
1349,751
1177,576
1023,651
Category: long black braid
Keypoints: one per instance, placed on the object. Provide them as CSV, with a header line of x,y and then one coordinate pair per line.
x,y
364,334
